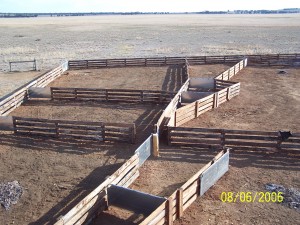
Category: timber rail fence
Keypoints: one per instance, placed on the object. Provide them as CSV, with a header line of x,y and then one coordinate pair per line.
x,y
82,130
96,201
172,208
254,60
183,197
195,109
236,139
11,101
111,95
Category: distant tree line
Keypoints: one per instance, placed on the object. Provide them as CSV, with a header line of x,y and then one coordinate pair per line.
x,y
289,10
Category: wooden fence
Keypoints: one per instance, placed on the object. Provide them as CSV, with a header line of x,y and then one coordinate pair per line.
x,y
169,110
182,198
274,60
236,139
193,110
158,61
228,74
11,101
254,60
111,95
96,201
96,131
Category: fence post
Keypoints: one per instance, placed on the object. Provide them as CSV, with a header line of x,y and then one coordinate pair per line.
x,y
279,141
155,145
179,203
222,138
228,93
57,130
142,96
169,211
216,96
196,109
34,64
175,115
133,134
103,132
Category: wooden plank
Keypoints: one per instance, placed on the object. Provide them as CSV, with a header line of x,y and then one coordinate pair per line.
x,y
169,211
191,190
179,203
156,215
93,206
197,175
266,138
245,143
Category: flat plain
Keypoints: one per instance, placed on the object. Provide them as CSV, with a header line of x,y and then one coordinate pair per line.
x,y
57,174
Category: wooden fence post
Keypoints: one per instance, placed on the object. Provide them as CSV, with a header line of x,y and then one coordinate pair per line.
x,y
103,132
179,203
279,141
196,109
155,145
133,134
169,211
57,130
228,93
222,138
175,114
216,96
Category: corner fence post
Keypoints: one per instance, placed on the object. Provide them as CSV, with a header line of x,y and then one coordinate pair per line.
x,y
155,145
179,204
169,211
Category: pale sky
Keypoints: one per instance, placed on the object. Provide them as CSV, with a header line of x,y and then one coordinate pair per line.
x,y
141,5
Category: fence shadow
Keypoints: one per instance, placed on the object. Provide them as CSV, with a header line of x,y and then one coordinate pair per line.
x,y
240,159
174,78
94,179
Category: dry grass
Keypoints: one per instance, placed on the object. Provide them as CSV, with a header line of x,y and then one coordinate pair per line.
x,y
50,40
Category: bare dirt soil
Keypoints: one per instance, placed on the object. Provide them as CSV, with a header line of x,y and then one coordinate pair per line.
x,y
249,172
39,164
51,40
207,70
56,174
267,101
12,80
145,78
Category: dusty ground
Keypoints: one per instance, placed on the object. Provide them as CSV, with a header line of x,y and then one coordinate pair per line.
x,y
249,172
267,101
46,160
53,39
207,70
12,80
147,78
55,174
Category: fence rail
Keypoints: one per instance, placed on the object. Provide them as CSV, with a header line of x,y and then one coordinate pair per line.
x,y
254,60
96,131
237,139
11,101
96,201
228,74
195,109
111,95
183,197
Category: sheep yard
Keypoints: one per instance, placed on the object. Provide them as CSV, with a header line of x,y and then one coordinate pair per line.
x,y
157,138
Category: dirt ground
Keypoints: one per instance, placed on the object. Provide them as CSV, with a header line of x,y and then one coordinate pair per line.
x,y
267,101
146,78
12,80
249,172
47,166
